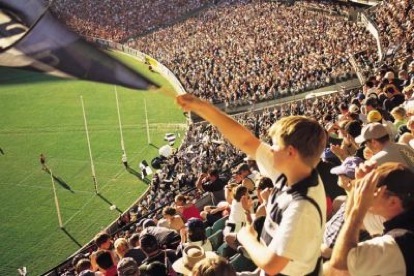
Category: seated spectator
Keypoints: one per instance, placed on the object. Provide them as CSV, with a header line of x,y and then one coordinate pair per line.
x,y
346,178
154,269
104,242
211,214
187,210
105,263
83,265
387,191
213,267
191,255
195,234
166,238
174,220
377,139
127,267
123,250
152,250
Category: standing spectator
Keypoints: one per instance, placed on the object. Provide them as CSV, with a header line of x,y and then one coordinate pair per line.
x,y
389,192
212,183
293,227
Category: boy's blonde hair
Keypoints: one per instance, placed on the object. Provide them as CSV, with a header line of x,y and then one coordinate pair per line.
x,y
304,134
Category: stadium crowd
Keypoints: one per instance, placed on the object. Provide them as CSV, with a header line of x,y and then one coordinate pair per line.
x,y
341,172
239,53
124,20
394,20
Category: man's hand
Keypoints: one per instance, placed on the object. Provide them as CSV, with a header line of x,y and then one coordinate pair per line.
x,y
366,192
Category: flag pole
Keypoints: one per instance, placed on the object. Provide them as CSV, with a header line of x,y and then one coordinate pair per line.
x,y
146,121
89,146
56,200
120,123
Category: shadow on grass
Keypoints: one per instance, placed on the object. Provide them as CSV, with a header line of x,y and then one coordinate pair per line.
x,y
60,181
154,146
71,237
138,175
109,203
12,76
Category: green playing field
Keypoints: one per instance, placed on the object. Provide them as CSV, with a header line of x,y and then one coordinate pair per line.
x,y
41,114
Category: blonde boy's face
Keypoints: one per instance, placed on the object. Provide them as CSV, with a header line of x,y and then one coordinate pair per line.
x,y
280,153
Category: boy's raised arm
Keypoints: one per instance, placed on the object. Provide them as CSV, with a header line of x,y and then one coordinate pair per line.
x,y
237,134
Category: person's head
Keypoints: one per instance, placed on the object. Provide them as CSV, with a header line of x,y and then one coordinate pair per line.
x,y
103,240
212,267
353,128
82,265
180,200
239,192
405,138
195,230
192,254
127,267
370,103
213,174
242,170
346,171
169,212
121,247
149,244
153,269
134,240
398,113
148,223
104,259
399,192
374,136
297,139
374,116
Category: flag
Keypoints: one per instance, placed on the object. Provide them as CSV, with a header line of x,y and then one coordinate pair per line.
x,y
145,169
170,137
31,38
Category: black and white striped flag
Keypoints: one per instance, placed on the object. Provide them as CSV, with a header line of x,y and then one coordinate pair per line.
x,y
145,169
170,137
32,39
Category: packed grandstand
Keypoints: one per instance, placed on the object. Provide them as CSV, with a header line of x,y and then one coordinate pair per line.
x,y
236,53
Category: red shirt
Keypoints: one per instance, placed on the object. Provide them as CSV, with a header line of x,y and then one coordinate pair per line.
x,y
191,212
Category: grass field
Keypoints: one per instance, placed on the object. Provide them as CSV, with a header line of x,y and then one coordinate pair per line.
x,y
41,114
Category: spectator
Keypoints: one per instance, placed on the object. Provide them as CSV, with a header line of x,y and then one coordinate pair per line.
x,y
298,145
187,210
127,267
105,263
212,267
377,139
387,191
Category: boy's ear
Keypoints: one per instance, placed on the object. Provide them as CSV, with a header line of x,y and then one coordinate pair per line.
x,y
291,150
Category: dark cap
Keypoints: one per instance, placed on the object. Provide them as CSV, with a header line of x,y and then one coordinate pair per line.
x,y
193,223
398,178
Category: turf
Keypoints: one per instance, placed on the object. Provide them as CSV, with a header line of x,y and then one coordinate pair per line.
x,y
42,114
